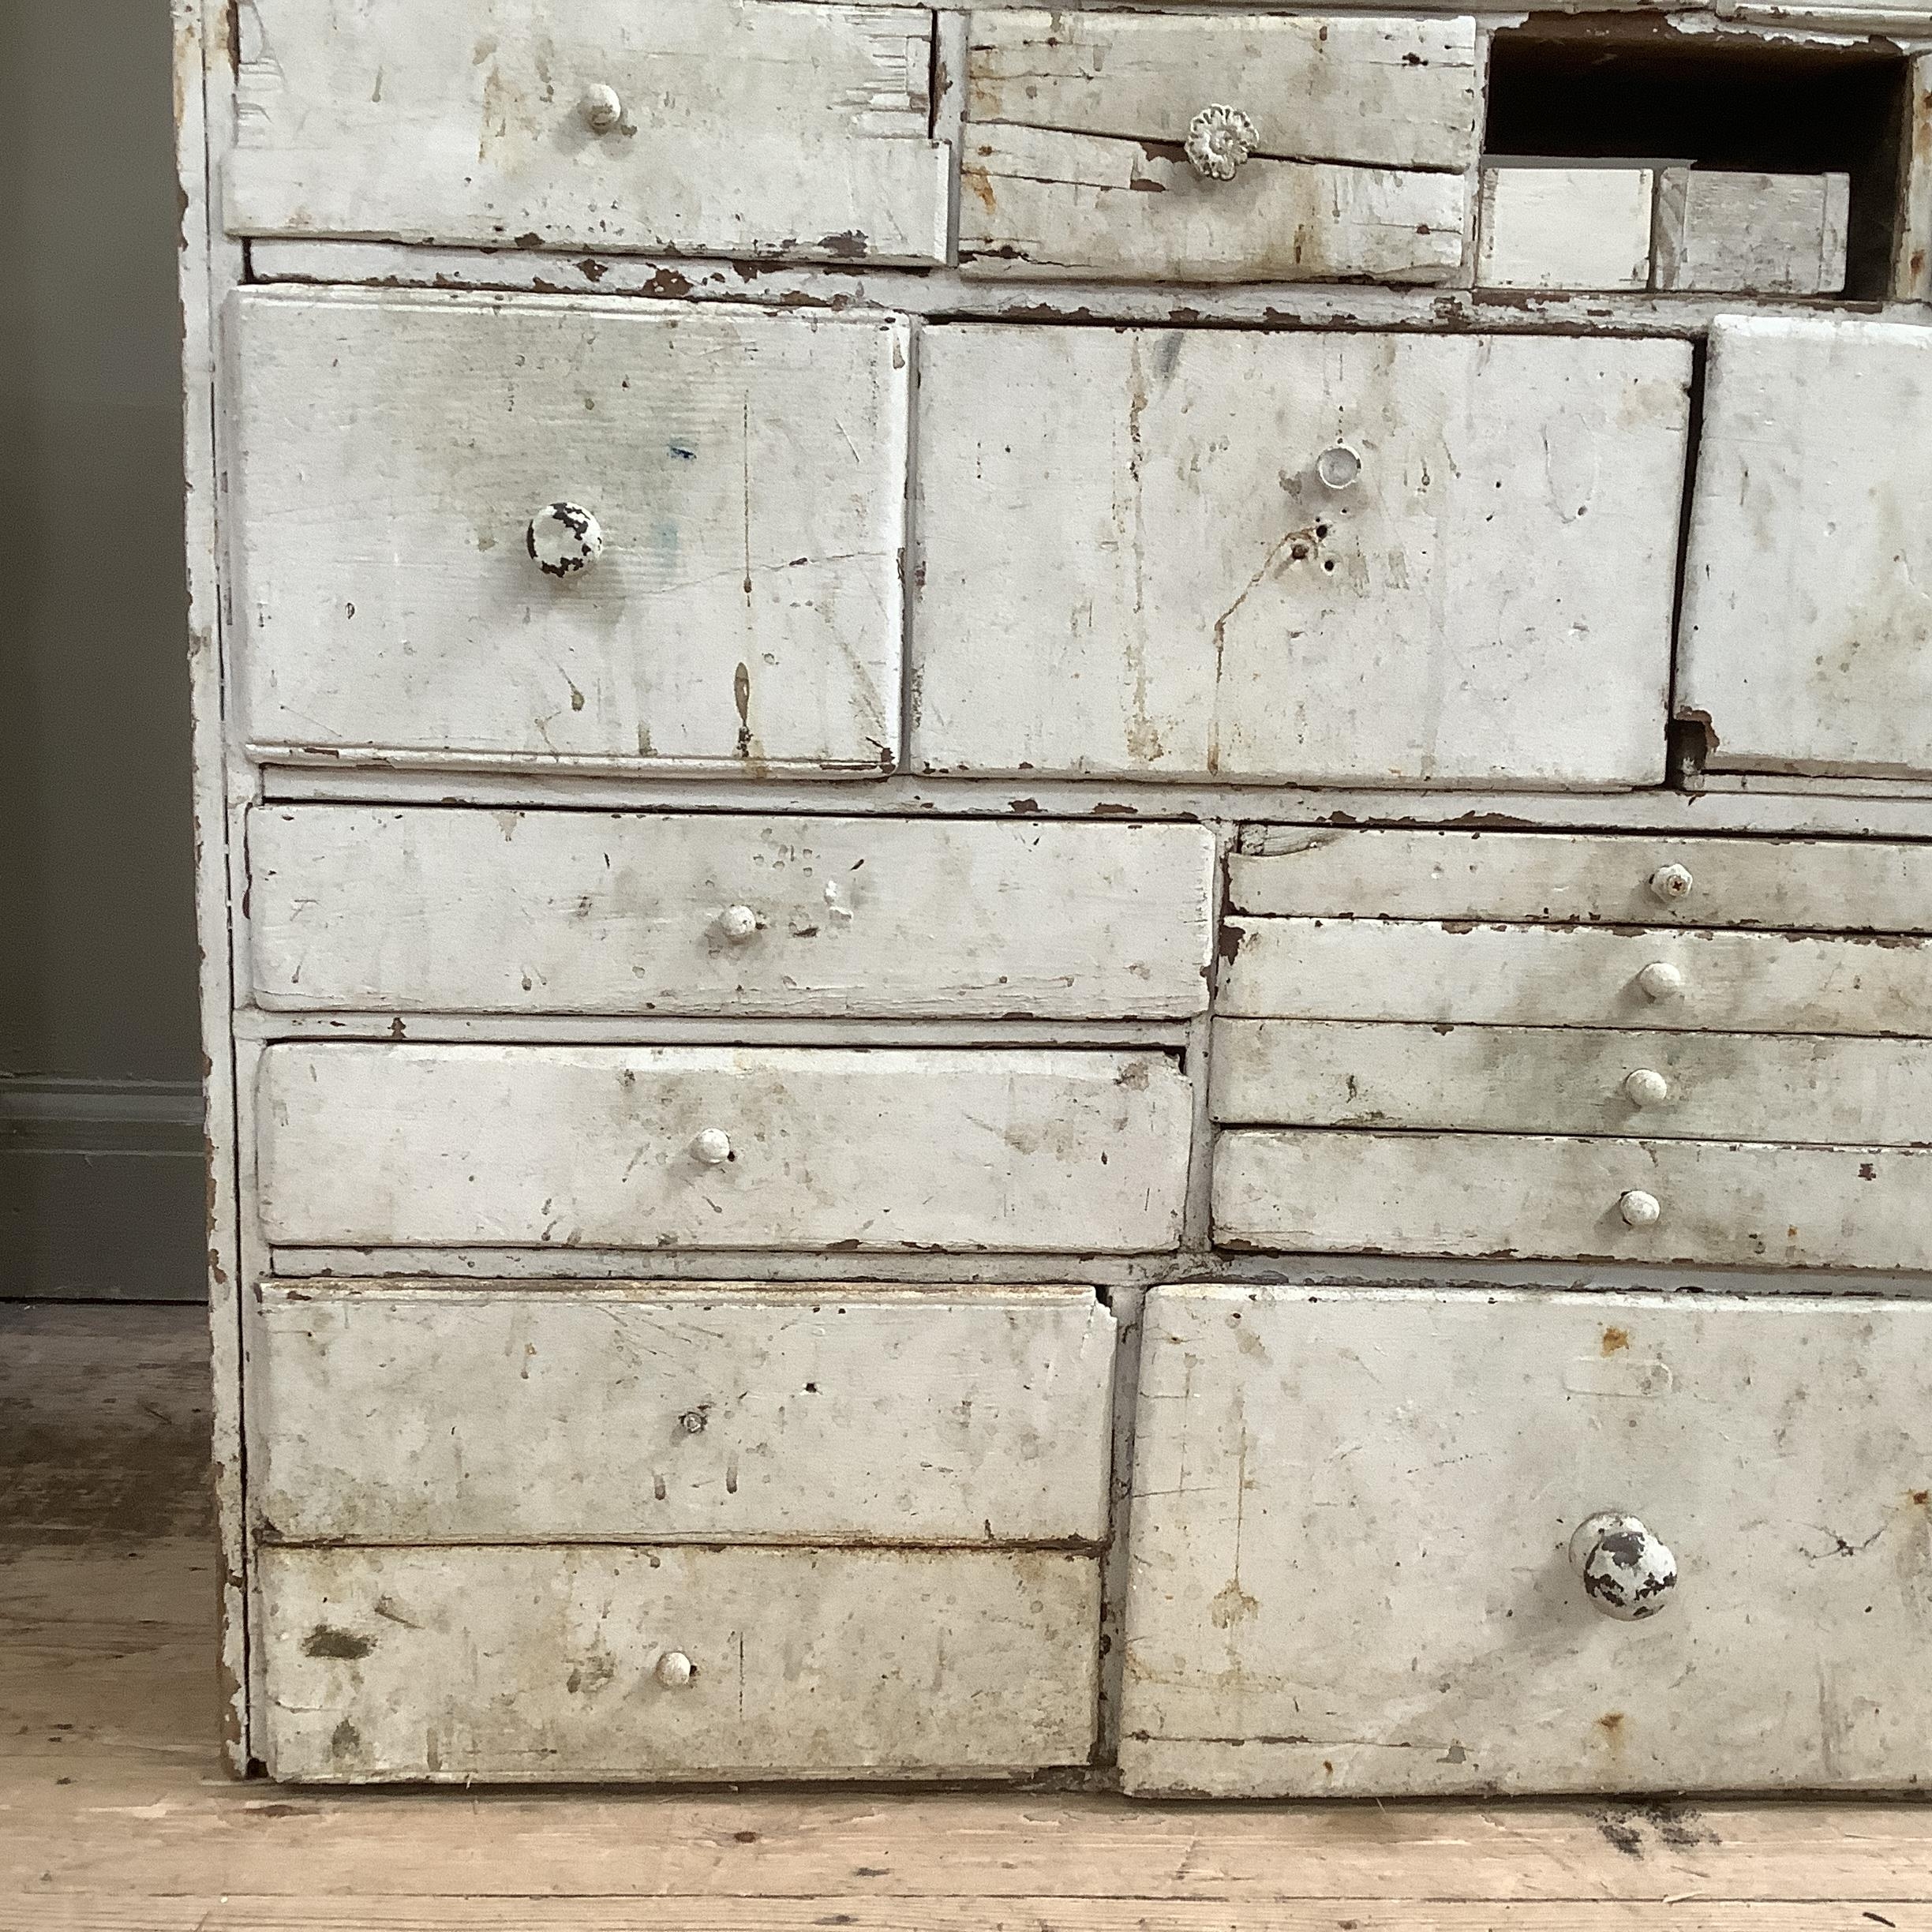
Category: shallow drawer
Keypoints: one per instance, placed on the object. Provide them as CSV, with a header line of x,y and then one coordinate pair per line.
x,y
1575,975
1641,879
720,127
411,476
448,1414
1352,1518
1081,131
721,1147
374,909
1493,1196
585,1664
1185,554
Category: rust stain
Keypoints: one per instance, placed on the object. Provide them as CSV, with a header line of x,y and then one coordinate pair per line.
x,y
1614,1340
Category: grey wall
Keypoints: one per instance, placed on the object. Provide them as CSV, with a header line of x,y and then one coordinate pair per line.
x,y
100,1190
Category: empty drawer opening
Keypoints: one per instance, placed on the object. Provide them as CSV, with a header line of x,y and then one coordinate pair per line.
x,y
1596,88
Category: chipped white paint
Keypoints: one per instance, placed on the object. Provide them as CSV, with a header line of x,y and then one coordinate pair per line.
x,y
745,471
430,1412
559,1146
1350,1568
1773,234
1807,634
1570,227
1626,1571
542,1664
420,910
564,538
719,127
1129,563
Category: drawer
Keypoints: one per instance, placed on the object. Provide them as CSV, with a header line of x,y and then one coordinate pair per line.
x,y
1575,975
366,908
586,1663
405,470
721,1147
697,127
1130,561
1355,136
1807,633
436,1413
1352,1514
1642,879
1497,1196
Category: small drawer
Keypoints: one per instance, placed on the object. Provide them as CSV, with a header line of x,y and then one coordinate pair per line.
x,y
374,909
447,1413
695,127
586,1663
525,531
721,1147
1151,147
1500,1196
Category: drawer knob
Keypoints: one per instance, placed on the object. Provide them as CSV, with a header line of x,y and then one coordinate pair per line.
x,y
600,108
1219,139
713,1147
1640,1209
738,924
564,537
1672,882
1627,1574
1645,1088
675,1670
1660,980
1337,468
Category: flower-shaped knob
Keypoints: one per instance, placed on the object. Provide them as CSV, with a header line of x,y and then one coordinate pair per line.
x,y
565,538
675,1670
738,924
1626,1573
600,108
712,1147
1660,980
1638,1209
1646,1087
1669,883
1219,139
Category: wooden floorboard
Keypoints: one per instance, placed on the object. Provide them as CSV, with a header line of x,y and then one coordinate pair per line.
x,y
116,1817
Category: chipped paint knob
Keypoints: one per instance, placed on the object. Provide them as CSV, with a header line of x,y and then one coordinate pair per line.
x,y
600,108
1670,883
713,1147
1337,468
675,1670
565,538
737,923
1660,980
1219,139
1640,1210
1627,1574
1645,1088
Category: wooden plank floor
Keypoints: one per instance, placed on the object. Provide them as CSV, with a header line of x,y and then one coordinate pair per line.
x,y
115,1812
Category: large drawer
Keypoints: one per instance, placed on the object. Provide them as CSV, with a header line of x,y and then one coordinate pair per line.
x,y
1173,553
720,127
448,1414
1075,158
583,1664
1495,1197
1352,1517
721,1147
410,472
372,908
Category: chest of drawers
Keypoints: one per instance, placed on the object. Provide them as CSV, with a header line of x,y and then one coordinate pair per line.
x,y
1022,956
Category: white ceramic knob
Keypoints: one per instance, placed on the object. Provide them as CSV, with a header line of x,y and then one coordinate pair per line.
x,y
713,1147
1660,980
600,108
1645,1088
675,1670
565,538
1640,1210
1627,1574
738,924
1219,139
1337,468
1671,883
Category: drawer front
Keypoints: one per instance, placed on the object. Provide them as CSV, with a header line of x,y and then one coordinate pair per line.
x,y
1076,156
721,1147
1575,1080
1575,975
393,453
1642,879
1497,1196
1808,623
1130,561
445,1413
368,908
542,1664
1351,1524
707,127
